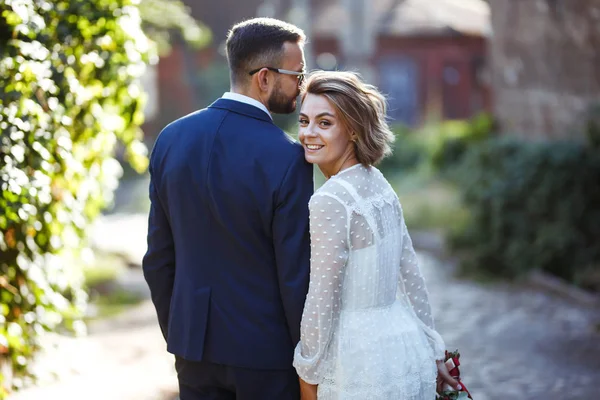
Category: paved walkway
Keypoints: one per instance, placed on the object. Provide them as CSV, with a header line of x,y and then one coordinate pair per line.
x,y
515,342
122,358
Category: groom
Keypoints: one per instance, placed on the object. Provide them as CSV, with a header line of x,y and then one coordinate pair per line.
x,y
228,247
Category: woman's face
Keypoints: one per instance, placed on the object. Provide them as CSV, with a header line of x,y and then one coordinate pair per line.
x,y
325,139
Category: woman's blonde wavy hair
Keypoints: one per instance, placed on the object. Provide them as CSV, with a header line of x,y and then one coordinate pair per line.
x,y
361,109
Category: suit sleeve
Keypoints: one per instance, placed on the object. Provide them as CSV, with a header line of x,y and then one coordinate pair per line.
x,y
292,243
159,261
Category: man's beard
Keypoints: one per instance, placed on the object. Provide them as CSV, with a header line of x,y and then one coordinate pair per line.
x,y
279,103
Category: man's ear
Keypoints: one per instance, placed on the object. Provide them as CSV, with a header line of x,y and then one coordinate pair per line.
x,y
264,79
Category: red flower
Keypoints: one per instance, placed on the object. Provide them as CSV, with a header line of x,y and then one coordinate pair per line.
x,y
453,362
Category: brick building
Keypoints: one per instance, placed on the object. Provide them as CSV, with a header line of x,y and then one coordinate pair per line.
x,y
422,53
425,54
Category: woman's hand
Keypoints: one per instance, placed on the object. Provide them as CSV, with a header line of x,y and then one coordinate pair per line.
x,y
444,378
307,391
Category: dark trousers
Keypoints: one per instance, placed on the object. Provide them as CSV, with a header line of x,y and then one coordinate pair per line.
x,y
208,381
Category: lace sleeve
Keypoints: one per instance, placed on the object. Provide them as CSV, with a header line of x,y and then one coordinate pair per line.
x,y
412,287
329,253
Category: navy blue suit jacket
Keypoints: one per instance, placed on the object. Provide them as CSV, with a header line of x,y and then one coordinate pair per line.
x,y
228,244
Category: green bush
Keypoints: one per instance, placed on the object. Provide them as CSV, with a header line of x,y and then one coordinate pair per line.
x,y
533,206
429,203
163,18
408,152
447,141
592,126
69,93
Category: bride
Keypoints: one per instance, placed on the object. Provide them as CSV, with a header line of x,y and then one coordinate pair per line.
x,y
367,328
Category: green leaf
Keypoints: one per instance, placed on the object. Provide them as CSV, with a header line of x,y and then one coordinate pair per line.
x,y
69,95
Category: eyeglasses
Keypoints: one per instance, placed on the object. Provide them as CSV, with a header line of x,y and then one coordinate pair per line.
x,y
300,75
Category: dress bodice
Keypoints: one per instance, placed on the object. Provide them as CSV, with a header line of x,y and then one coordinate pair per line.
x,y
362,260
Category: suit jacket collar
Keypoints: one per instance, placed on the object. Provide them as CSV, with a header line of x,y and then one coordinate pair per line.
x,y
241,108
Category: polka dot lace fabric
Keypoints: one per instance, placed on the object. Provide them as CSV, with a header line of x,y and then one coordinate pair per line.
x,y
367,327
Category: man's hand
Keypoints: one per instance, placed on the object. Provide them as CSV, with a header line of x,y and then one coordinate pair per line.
x,y
444,377
307,391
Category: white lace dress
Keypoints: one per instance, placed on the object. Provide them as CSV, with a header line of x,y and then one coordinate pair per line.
x,y
367,328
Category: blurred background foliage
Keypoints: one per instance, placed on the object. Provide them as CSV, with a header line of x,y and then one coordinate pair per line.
x,y
166,20
507,205
532,205
422,164
70,95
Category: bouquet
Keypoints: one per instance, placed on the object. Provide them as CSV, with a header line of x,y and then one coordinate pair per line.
x,y
452,362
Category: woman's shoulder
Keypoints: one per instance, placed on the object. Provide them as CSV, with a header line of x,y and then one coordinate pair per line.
x,y
331,197
335,190
321,195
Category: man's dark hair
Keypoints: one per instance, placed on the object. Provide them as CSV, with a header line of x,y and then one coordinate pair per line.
x,y
258,43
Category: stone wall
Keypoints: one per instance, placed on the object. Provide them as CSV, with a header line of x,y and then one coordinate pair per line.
x,y
545,65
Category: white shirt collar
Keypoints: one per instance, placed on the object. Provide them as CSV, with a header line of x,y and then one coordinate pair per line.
x,y
247,100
